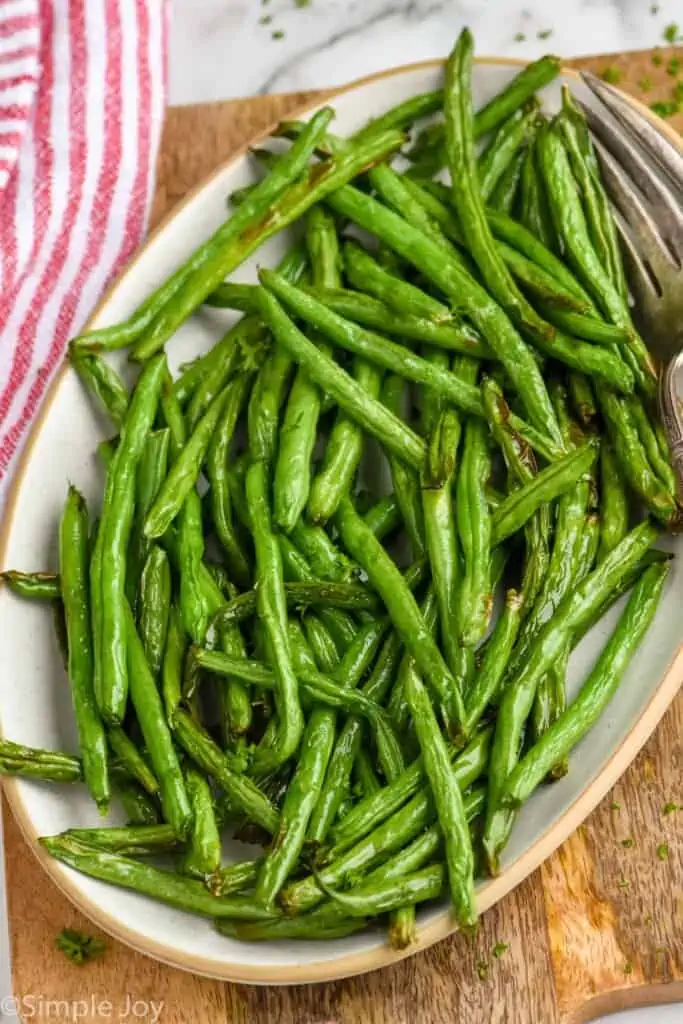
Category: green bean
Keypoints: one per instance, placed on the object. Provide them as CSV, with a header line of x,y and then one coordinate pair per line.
x,y
369,276
348,743
371,312
504,146
660,462
398,708
534,212
349,394
300,800
140,808
326,560
73,567
184,472
246,232
321,644
310,928
272,609
233,878
366,780
166,886
520,89
396,358
103,380
31,762
581,326
132,760
431,259
522,466
586,170
162,755
108,568
614,510
246,352
595,694
392,835
243,794
39,586
631,456
469,764
203,854
319,688
547,485
582,397
519,237
448,801
503,196
530,79
405,481
155,601
128,841
497,653
150,476
383,517
190,534
400,604
299,595
571,226
217,470
377,899
577,607
174,658
297,437
474,534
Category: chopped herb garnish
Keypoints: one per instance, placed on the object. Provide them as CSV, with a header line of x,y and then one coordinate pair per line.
x,y
657,59
623,883
673,67
645,83
611,75
615,806
482,970
520,37
654,8
678,91
628,967
671,33
665,108
627,843
545,34
302,3
77,947
277,34
265,19
663,851
670,808
499,949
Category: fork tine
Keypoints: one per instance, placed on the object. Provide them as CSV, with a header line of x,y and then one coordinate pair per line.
x,y
666,207
639,279
634,212
667,155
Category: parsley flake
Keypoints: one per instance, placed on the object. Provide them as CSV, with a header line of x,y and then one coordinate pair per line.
x,y
77,947
663,851
611,75
671,33
500,949
545,34
627,843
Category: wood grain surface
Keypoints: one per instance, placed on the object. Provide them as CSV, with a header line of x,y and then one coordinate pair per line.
x,y
598,927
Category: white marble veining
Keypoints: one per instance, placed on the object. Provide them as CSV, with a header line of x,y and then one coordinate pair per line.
x,y
219,49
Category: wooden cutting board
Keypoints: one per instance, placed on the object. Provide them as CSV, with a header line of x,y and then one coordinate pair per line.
x,y
598,927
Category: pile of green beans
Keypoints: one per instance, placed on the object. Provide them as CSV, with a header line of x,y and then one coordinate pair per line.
x,y
281,625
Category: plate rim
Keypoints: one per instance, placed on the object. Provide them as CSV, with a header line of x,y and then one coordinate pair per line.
x,y
492,891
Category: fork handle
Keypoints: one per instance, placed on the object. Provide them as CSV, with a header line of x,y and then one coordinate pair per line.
x,y
671,408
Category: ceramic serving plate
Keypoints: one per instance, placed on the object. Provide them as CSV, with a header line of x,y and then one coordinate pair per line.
x,y
35,705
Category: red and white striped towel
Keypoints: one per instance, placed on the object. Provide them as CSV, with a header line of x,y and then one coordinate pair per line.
x,y
82,89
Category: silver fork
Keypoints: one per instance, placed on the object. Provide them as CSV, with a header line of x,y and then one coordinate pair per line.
x,y
643,176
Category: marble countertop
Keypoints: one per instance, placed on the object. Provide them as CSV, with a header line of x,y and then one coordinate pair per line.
x,y
220,48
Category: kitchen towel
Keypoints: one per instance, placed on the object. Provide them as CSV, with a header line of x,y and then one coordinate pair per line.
x,y
82,91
